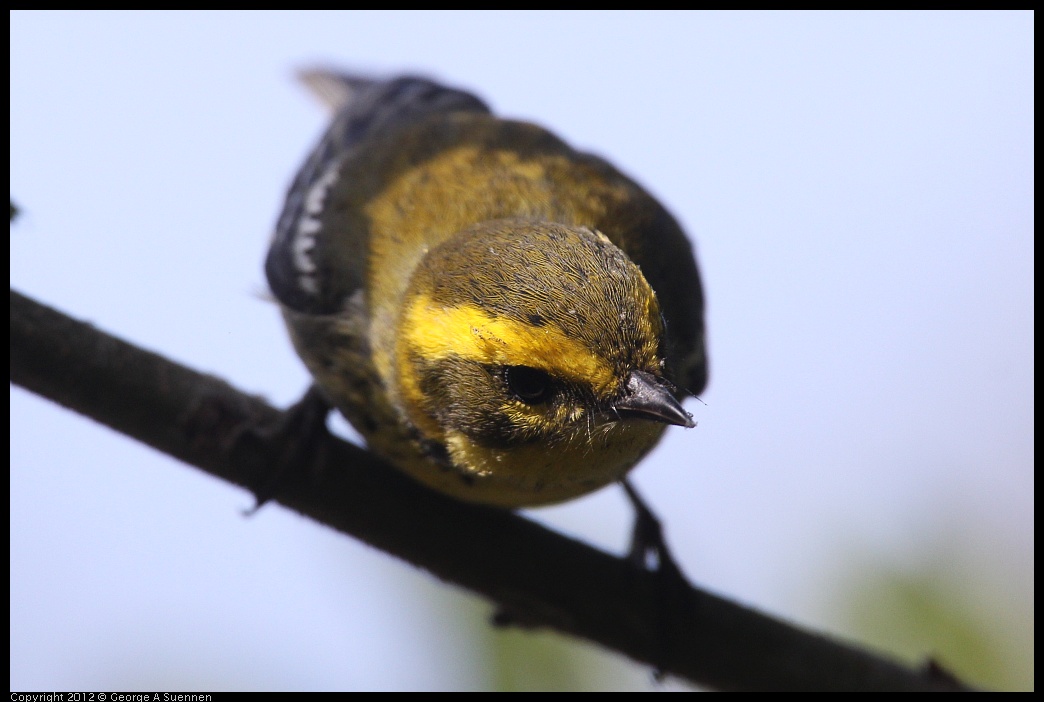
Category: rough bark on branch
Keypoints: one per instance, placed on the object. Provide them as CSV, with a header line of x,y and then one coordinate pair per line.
x,y
535,575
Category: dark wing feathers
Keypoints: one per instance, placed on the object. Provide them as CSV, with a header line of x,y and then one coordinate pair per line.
x,y
364,109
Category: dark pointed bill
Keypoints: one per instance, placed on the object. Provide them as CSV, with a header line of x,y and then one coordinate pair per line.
x,y
647,398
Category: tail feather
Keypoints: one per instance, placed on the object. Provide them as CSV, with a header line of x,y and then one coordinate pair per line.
x,y
333,88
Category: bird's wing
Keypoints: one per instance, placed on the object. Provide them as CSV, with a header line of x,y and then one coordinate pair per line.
x,y
302,275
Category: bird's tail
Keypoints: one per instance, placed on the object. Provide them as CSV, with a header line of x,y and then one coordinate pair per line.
x,y
334,88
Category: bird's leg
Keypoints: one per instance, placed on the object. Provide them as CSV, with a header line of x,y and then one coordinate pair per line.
x,y
649,552
648,547
302,427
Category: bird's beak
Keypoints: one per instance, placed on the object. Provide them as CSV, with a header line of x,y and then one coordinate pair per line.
x,y
647,397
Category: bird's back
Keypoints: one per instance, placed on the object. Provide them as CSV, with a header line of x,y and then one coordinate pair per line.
x,y
407,164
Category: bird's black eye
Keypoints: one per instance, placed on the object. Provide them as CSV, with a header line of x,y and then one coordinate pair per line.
x,y
530,385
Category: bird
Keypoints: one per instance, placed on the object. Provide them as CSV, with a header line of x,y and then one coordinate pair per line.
x,y
504,318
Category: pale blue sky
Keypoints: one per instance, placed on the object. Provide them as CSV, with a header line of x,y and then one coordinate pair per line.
x,y
860,191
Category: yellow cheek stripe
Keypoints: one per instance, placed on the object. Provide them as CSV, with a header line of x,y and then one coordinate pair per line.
x,y
434,331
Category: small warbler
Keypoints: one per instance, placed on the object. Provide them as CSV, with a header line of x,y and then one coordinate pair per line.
x,y
507,320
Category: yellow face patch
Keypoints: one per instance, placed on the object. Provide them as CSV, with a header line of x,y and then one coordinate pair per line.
x,y
434,331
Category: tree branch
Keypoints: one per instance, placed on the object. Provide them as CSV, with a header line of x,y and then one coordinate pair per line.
x,y
537,576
